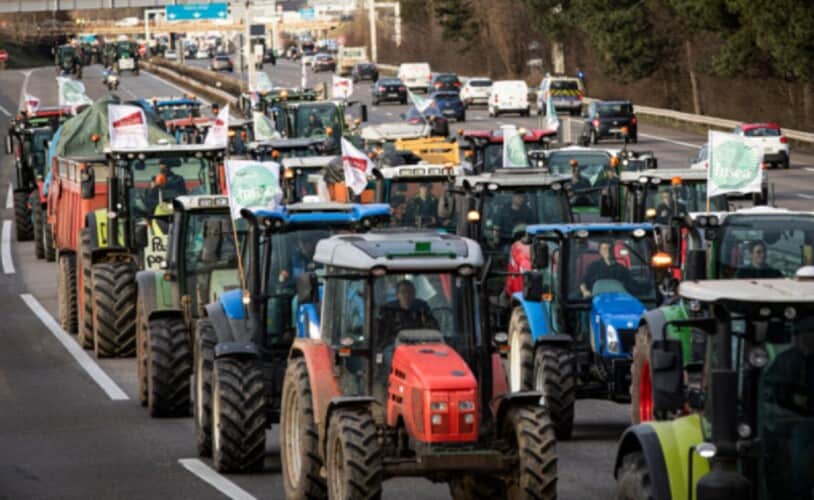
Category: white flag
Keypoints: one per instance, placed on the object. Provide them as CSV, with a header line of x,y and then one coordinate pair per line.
x,y
514,149
264,129
252,184
128,127
263,83
342,87
552,121
32,104
420,103
72,92
218,134
356,166
734,164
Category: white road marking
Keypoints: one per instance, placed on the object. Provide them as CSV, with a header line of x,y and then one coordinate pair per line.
x,y
4,111
5,248
809,169
388,113
214,479
806,196
166,82
10,197
671,141
107,384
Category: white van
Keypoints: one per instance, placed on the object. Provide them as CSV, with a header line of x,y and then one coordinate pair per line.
x,y
416,76
509,96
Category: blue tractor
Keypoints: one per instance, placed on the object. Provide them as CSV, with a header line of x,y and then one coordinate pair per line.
x,y
573,326
241,345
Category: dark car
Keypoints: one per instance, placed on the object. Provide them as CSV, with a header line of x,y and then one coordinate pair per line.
x,y
444,81
389,90
432,116
364,71
323,62
609,119
221,62
450,105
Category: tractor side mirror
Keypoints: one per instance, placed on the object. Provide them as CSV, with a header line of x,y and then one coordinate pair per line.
x,y
446,205
606,208
307,288
140,235
539,255
210,251
88,183
695,266
533,288
364,113
667,375
8,145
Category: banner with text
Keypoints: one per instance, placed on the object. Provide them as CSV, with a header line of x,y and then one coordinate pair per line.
x,y
734,164
253,184
127,126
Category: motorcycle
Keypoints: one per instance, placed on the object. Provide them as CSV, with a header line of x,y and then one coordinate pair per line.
x,y
111,80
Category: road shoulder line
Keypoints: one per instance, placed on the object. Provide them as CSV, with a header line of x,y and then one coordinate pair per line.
x,y
90,366
5,248
671,141
10,196
209,476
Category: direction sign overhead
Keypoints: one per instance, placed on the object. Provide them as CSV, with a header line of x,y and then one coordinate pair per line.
x,y
197,11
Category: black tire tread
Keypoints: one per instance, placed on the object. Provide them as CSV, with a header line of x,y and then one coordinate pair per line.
x,y
22,217
38,215
536,446
66,292
634,479
114,304
560,383
170,364
85,315
48,243
356,430
204,351
519,325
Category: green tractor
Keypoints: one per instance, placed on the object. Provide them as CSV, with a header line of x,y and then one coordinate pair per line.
x,y
753,435
68,61
757,242
201,264
127,57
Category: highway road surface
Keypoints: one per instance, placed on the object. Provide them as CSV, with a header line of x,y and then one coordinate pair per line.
x,y
71,426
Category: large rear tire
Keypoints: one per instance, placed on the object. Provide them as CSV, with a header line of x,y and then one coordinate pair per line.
x,y
22,217
48,243
66,292
299,437
354,456
641,387
554,376
530,434
521,352
114,309
238,415
203,362
85,336
169,368
634,479
38,215
142,348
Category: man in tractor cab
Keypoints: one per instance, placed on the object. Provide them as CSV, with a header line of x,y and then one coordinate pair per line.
x,y
669,208
301,258
406,312
517,213
315,125
422,209
166,183
758,268
606,268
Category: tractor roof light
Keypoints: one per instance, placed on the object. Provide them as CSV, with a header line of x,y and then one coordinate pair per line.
x,y
639,233
574,163
614,161
676,180
644,179
275,154
650,213
329,131
95,138
661,260
288,173
473,216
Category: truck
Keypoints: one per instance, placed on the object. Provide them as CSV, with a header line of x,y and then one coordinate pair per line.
x,y
348,57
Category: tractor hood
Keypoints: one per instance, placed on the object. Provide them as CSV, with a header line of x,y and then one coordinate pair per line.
x,y
433,367
618,309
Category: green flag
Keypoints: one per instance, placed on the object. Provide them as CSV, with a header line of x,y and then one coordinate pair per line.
x,y
514,149
734,164
72,92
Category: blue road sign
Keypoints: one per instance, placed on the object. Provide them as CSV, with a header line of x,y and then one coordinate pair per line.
x,y
307,14
197,11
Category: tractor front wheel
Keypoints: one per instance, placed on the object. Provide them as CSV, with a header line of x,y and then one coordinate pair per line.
x,y
66,292
354,460
554,376
203,362
299,436
22,217
238,415
168,368
641,382
521,352
38,216
114,309
530,435
85,311
634,479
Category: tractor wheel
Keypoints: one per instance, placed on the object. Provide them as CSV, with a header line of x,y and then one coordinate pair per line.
x,y
38,216
554,376
85,336
530,435
521,352
238,415
641,381
168,369
299,436
66,292
634,479
22,217
203,361
114,309
472,487
354,456
48,243
142,348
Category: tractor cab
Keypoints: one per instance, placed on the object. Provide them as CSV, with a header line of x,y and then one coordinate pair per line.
x,y
68,61
416,194
399,143
579,307
593,173
402,362
273,102
281,149
248,332
299,173
169,108
753,428
126,57
328,121
483,149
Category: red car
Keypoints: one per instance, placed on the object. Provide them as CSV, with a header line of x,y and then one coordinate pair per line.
x,y
484,148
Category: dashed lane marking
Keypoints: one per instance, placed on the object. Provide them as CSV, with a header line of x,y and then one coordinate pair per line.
x,y
220,483
4,111
809,169
98,375
5,248
10,197
671,141
806,196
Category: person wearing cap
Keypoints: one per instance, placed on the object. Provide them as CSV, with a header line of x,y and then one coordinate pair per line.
x,y
757,268
669,207
422,209
606,268
578,181
406,312
166,183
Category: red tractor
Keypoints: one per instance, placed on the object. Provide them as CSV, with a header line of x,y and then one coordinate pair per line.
x,y
400,378
484,148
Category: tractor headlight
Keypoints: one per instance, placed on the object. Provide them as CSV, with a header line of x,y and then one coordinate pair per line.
x,y
436,419
438,406
466,405
612,338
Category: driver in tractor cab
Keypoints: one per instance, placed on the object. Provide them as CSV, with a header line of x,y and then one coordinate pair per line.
x,y
422,209
606,268
315,126
516,214
757,267
669,207
578,181
301,257
164,186
405,313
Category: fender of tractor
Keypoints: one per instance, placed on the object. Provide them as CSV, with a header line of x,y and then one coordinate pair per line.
x,y
666,447
230,319
157,295
538,315
621,311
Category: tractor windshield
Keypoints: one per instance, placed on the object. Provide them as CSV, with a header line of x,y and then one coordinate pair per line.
x,y
765,246
507,212
158,181
609,262
316,120
670,201
415,203
591,174
176,112
491,157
